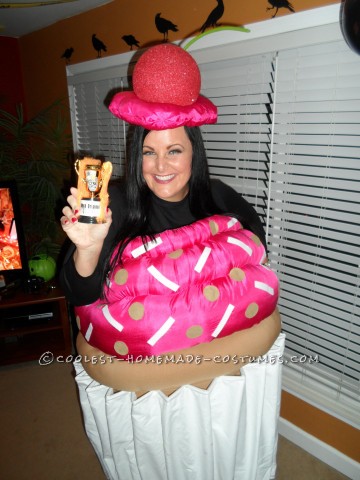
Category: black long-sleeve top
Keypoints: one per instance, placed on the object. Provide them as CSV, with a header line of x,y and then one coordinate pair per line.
x,y
163,216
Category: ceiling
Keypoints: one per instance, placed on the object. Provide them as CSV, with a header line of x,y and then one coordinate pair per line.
x,y
16,20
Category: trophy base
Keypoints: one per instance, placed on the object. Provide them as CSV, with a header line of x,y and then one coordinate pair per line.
x,y
84,219
91,211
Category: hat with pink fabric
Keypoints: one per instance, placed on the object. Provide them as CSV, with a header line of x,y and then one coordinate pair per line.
x,y
166,83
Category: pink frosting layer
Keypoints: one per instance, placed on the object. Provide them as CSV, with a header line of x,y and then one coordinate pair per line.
x,y
161,116
193,284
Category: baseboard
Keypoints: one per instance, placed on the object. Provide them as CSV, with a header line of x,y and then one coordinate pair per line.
x,y
321,450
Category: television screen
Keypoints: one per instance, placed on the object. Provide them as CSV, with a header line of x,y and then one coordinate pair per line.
x,y
13,259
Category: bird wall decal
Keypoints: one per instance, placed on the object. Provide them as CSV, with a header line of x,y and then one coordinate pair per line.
x,y
98,45
280,4
164,26
214,16
67,54
131,41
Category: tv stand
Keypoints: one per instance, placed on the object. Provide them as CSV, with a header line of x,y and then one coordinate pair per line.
x,y
34,323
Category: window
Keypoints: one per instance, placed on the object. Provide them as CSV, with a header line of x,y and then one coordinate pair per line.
x,y
314,215
96,131
288,138
238,146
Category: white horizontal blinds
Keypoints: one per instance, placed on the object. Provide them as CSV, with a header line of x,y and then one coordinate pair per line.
x,y
238,145
314,223
307,163
99,132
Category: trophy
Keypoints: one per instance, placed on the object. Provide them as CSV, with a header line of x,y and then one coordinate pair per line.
x,y
93,197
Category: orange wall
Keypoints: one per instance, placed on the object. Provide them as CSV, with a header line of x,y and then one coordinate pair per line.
x,y
328,429
11,80
45,80
44,69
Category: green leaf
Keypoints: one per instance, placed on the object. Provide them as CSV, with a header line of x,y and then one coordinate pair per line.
x,y
35,153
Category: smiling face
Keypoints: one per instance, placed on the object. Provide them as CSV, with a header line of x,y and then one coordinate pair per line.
x,y
167,157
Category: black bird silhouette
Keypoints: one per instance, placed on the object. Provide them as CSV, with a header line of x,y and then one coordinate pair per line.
x,y
67,54
280,4
214,16
130,40
164,26
98,45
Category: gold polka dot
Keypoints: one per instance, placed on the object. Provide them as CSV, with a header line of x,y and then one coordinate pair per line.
x,y
176,253
78,322
237,274
136,311
121,348
214,227
256,239
194,331
211,293
121,276
251,310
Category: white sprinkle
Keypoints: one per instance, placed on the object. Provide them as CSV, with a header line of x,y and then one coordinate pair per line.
x,y
264,286
162,279
240,244
224,320
145,248
232,222
161,332
111,319
202,259
89,332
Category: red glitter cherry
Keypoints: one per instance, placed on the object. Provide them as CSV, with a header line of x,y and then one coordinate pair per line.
x,y
167,74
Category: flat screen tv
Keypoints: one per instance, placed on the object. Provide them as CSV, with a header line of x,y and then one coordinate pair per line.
x,y
13,257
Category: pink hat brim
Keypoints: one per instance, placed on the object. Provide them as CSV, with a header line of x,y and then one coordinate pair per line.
x,y
161,116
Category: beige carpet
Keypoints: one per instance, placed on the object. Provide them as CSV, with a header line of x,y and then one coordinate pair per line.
x,y
42,435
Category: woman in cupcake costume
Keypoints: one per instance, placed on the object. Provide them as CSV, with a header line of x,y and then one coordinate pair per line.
x,y
172,283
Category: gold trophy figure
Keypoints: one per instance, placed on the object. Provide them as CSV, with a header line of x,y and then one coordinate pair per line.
x,y
93,181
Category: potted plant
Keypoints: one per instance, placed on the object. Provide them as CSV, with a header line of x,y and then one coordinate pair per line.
x,y
35,154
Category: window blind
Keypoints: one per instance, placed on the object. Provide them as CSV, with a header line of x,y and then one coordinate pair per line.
x,y
314,215
288,139
238,145
97,132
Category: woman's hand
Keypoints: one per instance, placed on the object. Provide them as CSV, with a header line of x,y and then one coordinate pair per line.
x,y
88,238
83,235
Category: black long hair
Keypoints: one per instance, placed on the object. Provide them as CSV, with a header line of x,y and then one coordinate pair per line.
x,y
136,221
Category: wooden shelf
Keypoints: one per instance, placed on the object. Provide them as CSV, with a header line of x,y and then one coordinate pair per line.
x,y
32,324
31,347
21,331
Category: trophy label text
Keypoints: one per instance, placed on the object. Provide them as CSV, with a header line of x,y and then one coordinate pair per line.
x,y
90,208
